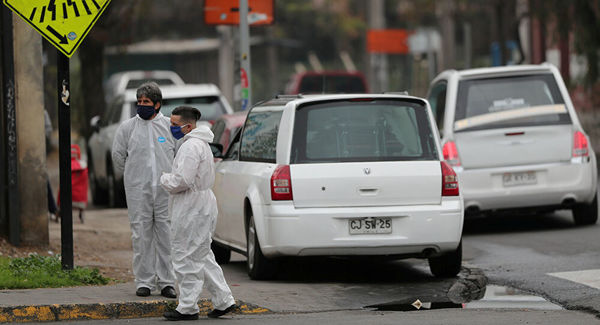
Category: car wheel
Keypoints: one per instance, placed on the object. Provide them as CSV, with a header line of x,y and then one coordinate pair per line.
x,y
586,214
222,254
110,181
99,196
448,264
259,267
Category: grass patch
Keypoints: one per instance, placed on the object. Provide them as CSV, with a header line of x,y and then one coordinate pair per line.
x,y
37,271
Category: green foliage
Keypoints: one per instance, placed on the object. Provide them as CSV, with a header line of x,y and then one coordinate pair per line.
x,y
37,271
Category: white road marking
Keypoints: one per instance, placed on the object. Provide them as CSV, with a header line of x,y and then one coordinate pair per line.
x,y
590,278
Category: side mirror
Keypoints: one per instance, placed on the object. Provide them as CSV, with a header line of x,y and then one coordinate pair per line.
x,y
217,150
95,123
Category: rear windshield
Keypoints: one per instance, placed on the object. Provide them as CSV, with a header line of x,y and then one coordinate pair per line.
x,y
509,102
347,131
210,107
317,84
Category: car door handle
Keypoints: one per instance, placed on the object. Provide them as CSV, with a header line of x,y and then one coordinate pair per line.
x,y
368,191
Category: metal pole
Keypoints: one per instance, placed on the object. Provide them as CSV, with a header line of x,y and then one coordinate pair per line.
x,y
64,155
10,132
245,72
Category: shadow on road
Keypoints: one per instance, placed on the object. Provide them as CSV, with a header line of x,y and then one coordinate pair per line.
x,y
344,270
511,223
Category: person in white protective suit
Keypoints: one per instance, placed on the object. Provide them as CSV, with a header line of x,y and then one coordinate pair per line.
x,y
143,149
193,210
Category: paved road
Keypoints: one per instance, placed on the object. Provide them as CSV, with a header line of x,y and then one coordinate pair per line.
x,y
544,254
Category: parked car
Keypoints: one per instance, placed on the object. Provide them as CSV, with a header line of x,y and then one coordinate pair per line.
x,y
121,81
226,126
327,82
514,139
338,175
106,183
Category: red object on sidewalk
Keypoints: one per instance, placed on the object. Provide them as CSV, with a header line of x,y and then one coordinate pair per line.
x,y
79,181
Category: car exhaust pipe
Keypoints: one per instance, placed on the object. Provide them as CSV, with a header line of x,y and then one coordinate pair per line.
x,y
428,252
568,202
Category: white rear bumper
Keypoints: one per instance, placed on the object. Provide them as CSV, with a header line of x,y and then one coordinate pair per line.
x,y
288,231
556,183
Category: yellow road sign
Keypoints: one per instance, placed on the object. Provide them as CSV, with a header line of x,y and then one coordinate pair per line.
x,y
64,23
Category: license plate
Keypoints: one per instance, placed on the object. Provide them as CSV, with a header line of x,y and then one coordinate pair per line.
x,y
370,226
516,179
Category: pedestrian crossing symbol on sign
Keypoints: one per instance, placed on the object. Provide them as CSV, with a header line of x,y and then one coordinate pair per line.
x,y
64,23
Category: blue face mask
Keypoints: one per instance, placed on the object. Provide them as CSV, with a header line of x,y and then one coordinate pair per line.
x,y
145,112
176,132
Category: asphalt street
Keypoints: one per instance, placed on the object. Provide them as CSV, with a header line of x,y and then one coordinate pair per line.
x,y
543,254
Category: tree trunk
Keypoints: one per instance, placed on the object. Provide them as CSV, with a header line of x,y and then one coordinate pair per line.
x,y
92,69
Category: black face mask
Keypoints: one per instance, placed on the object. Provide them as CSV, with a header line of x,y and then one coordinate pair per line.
x,y
145,111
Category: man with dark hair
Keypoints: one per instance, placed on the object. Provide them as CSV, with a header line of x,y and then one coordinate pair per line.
x,y
143,149
193,219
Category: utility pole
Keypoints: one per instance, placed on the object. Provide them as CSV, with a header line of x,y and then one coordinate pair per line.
x,y
226,57
445,11
245,68
378,72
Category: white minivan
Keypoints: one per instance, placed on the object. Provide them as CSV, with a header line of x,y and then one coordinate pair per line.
x,y
338,175
514,139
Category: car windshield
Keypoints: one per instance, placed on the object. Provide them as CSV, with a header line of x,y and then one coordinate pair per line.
x,y
331,84
136,83
210,106
351,131
509,102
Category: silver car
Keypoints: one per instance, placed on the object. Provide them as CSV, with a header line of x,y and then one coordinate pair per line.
x,y
514,139
106,183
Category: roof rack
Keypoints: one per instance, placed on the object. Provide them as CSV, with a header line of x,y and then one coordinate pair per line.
x,y
404,92
284,96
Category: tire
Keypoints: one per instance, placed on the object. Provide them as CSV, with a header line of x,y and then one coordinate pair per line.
x,y
116,192
99,196
222,254
586,214
447,265
259,267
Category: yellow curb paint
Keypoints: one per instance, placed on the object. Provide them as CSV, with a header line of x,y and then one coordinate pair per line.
x,y
106,311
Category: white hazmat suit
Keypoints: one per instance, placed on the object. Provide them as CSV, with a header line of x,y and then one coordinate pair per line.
x,y
193,220
144,149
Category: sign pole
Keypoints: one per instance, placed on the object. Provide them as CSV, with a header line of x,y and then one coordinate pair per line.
x,y
64,154
245,70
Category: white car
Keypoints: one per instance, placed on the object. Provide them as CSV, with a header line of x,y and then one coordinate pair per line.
x,y
106,183
338,175
121,81
514,139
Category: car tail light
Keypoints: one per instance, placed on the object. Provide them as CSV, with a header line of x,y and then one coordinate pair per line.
x,y
580,145
451,153
281,184
449,180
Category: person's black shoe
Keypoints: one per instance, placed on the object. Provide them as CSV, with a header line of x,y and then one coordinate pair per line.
x,y
175,315
142,292
216,313
168,292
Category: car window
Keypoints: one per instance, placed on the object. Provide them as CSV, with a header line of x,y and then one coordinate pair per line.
x,y
117,111
217,129
379,130
259,137
136,83
437,100
480,99
234,148
210,107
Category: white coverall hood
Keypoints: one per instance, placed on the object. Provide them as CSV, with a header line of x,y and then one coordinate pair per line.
x,y
193,210
202,132
143,150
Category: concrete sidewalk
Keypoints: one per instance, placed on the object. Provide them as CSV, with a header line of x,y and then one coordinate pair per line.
x,y
253,297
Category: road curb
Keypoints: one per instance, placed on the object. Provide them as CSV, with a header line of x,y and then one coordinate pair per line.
x,y
97,311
